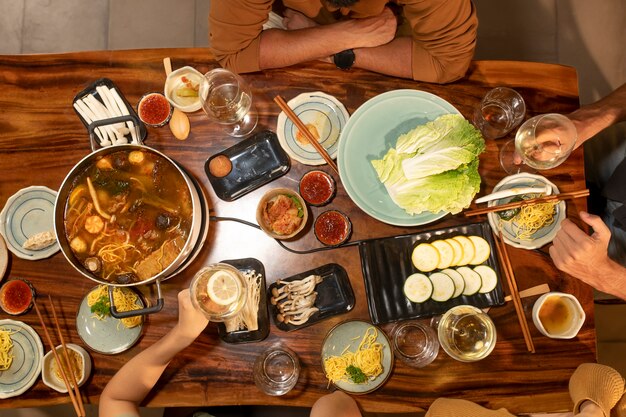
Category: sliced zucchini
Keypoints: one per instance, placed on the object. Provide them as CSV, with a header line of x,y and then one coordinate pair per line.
x,y
488,277
446,253
468,249
458,251
459,282
473,281
418,288
482,250
443,286
425,257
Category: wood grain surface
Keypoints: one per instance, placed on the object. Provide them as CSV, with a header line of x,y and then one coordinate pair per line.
x,y
41,139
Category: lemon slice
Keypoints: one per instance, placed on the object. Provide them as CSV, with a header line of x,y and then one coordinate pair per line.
x,y
223,288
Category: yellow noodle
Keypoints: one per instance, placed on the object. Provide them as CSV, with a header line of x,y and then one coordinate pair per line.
x,y
6,349
125,300
531,218
368,357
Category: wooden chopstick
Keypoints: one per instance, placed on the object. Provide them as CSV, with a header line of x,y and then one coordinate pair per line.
x,y
547,199
58,361
530,292
70,363
303,129
510,277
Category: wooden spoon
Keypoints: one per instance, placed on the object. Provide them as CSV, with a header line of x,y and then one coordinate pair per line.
x,y
179,123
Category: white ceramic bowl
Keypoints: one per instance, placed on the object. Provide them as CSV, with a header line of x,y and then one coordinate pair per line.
x,y
261,206
174,81
541,237
47,373
576,314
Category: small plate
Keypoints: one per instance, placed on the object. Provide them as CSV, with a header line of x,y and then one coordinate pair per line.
x,y
28,212
174,81
27,359
542,236
255,162
107,336
324,112
4,258
334,295
244,336
350,333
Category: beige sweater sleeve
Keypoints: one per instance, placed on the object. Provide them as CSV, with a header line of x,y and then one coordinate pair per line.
x,y
447,407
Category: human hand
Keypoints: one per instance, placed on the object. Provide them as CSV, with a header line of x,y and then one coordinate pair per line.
x,y
191,321
372,31
294,20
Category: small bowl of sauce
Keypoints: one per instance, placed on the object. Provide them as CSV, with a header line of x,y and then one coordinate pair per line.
x,y
317,187
17,297
332,228
154,109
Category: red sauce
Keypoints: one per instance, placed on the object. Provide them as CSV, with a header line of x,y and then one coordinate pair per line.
x,y
332,228
16,296
317,187
154,109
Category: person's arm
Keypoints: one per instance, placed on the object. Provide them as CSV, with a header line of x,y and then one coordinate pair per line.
x,y
595,117
130,385
586,257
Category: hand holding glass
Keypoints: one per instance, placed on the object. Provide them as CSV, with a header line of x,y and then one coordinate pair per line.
x,y
226,98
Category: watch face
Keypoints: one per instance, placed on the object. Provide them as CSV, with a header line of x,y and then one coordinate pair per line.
x,y
344,59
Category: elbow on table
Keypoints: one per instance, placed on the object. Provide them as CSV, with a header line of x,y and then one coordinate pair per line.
x,y
237,62
445,70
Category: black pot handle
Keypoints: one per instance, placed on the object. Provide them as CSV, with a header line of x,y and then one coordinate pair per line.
x,y
142,311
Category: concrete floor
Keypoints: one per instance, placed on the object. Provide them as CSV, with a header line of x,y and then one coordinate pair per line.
x,y
587,35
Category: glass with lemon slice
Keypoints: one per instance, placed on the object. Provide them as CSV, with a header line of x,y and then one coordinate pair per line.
x,y
219,291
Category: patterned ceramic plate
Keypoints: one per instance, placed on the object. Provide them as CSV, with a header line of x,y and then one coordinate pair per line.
x,y
27,359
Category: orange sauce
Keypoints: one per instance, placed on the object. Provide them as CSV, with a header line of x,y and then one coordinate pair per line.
x,y
556,314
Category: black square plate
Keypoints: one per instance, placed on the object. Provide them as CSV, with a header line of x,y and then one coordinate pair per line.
x,y
245,336
256,161
334,295
386,263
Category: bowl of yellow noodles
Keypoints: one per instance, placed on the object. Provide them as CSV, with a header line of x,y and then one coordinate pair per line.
x,y
80,365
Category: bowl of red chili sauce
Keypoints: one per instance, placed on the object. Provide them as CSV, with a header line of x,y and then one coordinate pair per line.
x,y
317,187
332,228
154,109
17,296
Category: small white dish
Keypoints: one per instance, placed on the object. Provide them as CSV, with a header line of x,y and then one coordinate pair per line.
x,y
175,81
27,359
26,213
108,336
541,237
565,313
322,111
49,365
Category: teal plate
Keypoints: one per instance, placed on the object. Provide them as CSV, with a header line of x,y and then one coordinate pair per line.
x,y
370,132
27,359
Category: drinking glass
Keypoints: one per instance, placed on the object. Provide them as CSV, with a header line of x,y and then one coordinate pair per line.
x,y
219,291
226,98
415,343
466,333
500,111
542,142
276,370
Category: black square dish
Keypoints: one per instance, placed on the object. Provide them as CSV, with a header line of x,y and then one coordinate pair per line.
x,y
386,263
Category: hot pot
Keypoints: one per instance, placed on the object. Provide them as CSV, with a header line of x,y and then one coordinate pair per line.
x,y
189,250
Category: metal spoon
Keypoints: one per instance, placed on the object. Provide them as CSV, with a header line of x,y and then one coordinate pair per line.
x,y
179,122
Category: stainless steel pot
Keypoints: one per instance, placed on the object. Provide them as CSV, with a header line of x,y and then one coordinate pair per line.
x,y
197,224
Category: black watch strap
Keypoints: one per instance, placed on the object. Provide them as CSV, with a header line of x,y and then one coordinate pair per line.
x,y
344,59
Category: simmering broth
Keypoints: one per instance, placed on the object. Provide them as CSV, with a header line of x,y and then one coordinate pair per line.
x,y
128,216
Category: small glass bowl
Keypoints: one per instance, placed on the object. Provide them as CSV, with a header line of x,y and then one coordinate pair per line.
x,y
17,296
317,187
276,370
332,228
415,343
154,109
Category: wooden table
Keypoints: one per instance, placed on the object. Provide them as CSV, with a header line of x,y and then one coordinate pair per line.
x,y
41,139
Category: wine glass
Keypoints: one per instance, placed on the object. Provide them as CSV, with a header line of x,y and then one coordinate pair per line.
x,y
226,98
542,142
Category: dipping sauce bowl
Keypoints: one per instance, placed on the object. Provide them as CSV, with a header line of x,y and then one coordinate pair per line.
x,y
317,187
332,228
154,109
17,296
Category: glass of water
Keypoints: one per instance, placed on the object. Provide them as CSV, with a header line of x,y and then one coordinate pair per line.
x,y
227,99
467,333
499,112
415,343
276,370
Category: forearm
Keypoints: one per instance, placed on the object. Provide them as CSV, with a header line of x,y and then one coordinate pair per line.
x,y
610,278
593,118
137,377
392,59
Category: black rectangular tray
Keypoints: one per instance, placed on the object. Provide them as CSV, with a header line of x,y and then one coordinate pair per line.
x,y
386,263
255,162
245,336
91,89
334,295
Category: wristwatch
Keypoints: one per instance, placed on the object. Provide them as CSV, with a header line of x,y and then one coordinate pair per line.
x,y
344,59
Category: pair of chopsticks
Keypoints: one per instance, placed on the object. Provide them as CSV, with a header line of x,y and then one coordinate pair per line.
x,y
300,125
547,199
70,383
515,296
